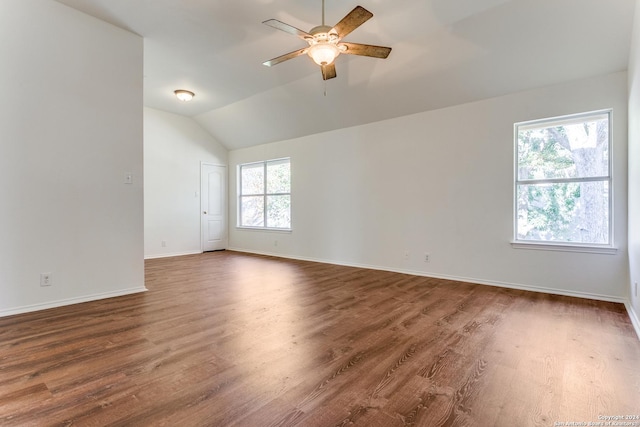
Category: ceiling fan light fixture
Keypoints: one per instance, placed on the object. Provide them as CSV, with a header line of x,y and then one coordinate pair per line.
x,y
325,42
324,53
184,95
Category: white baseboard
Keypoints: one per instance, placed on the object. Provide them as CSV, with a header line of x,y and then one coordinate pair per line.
x,y
635,319
171,255
69,301
599,297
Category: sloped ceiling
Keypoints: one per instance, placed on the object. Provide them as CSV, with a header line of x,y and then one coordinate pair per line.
x,y
445,52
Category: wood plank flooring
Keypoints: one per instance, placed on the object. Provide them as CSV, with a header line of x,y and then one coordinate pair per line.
x,y
231,339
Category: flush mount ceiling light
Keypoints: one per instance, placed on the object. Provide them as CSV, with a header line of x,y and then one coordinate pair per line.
x,y
184,95
325,42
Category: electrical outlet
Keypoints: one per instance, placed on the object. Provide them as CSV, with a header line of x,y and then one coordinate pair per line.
x,y
405,255
427,257
636,290
164,243
275,243
46,279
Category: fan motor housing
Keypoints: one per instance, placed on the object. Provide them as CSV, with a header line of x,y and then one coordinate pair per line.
x,y
323,33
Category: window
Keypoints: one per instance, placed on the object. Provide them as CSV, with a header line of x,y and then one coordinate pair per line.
x,y
265,194
563,181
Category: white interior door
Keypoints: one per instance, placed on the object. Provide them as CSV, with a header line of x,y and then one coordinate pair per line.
x,y
213,197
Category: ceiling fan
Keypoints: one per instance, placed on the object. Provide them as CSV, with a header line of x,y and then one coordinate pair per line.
x,y
325,43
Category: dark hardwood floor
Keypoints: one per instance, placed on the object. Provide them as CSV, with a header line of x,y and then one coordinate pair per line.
x,y
227,339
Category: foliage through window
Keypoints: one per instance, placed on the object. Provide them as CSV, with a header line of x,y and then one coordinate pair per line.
x,y
563,180
265,194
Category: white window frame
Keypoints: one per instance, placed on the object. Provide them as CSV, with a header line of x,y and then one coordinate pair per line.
x,y
605,248
264,194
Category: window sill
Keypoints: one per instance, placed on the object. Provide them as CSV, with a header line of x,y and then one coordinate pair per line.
x,y
563,247
276,230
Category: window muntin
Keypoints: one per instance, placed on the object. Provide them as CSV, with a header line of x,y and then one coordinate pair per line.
x,y
563,180
265,194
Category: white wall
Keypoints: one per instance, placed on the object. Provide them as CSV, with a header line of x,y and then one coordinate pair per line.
x,y
634,170
174,146
70,129
439,182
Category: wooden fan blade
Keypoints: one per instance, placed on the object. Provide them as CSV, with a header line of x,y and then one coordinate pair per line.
x,y
285,57
328,71
365,50
279,25
353,20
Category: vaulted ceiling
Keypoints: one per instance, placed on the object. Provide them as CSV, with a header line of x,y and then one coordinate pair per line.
x,y
445,52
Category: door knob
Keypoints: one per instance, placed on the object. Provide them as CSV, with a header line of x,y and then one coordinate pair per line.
x,y
205,212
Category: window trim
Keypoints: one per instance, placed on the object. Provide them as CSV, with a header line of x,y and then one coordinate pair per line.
x,y
264,195
563,247
604,248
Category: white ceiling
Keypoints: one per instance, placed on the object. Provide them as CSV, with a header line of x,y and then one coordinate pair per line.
x,y
445,52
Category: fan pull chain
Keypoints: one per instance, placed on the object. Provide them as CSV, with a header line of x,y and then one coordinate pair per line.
x,y
325,88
